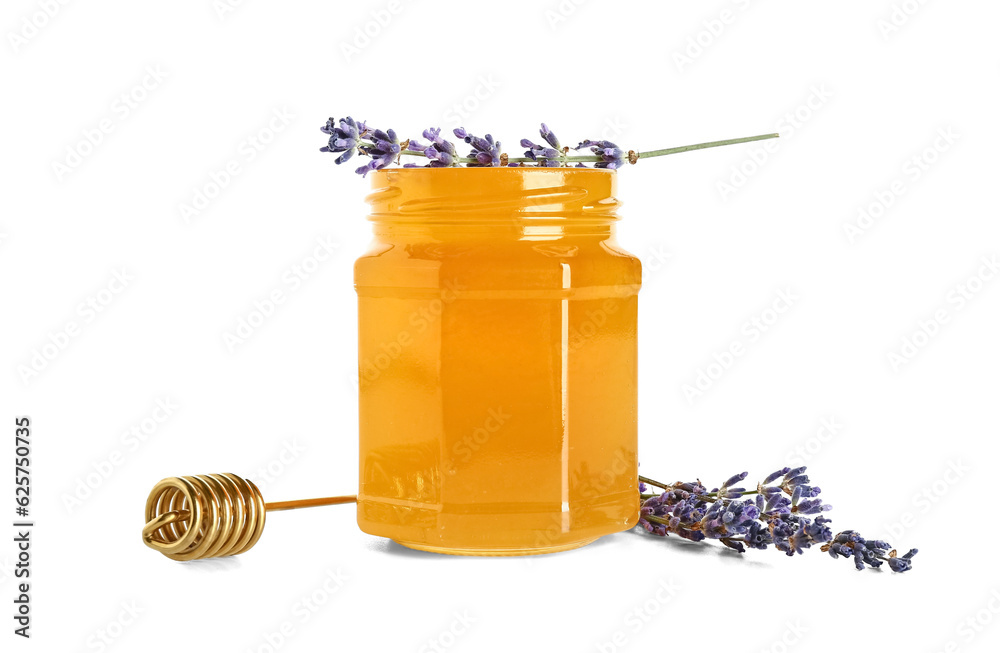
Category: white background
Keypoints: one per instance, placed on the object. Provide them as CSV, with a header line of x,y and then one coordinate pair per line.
x,y
906,448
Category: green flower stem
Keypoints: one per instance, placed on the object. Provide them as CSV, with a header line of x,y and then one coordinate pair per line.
x,y
649,481
707,496
702,146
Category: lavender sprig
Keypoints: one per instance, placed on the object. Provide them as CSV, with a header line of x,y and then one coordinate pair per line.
x,y
347,137
775,517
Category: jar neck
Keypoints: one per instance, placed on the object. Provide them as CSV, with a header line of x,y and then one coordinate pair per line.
x,y
509,203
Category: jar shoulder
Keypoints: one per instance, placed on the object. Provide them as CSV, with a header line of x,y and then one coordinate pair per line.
x,y
525,263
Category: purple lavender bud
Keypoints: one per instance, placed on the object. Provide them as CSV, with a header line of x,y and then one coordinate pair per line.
x,y
794,472
774,476
387,146
734,544
527,143
818,530
798,541
778,504
344,157
416,146
900,564
368,167
459,132
694,536
812,507
733,480
549,137
757,536
642,487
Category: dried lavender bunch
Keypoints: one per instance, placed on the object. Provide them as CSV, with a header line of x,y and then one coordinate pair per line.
x,y
347,137
775,517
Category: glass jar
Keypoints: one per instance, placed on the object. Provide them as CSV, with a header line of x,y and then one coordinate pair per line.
x,y
497,360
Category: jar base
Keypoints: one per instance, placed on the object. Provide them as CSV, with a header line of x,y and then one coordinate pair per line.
x,y
524,551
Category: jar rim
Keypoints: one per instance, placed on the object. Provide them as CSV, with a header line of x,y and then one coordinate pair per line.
x,y
526,168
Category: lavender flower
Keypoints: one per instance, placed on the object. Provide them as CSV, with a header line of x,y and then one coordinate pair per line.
x,y
902,563
383,149
776,517
612,156
485,151
549,137
345,135
549,156
441,152
771,478
757,536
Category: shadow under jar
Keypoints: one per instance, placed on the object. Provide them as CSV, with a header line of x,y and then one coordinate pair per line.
x,y
497,361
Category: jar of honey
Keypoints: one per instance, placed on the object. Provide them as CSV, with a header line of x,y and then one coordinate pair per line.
x,y
497,361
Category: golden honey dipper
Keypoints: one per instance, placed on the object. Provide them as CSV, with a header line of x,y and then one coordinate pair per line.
x,y
212,515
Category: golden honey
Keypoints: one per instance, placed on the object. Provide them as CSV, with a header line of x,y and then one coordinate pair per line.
x,y
497,361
